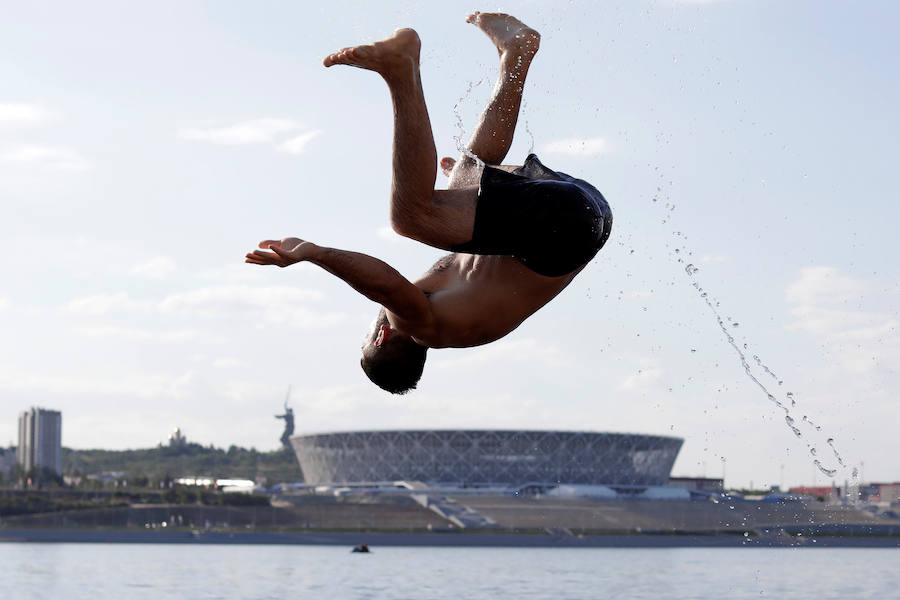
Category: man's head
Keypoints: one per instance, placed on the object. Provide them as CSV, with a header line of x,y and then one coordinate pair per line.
x,y
392,360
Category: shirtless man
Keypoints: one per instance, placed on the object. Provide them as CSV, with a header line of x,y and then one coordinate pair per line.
x,y
519,235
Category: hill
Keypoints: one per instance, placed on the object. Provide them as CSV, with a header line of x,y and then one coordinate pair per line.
x,y
189,460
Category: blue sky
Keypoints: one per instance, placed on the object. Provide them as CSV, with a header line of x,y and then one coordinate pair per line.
x,y
144,150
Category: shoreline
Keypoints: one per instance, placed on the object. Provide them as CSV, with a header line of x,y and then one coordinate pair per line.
x,y
501,540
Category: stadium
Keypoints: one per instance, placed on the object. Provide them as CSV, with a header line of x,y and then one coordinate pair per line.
x,y
495,458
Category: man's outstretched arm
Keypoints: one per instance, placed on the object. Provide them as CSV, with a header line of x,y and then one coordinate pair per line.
x,y
371,277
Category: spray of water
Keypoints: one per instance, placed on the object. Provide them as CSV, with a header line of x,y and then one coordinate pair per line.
x,y
461,127
523,119
725,324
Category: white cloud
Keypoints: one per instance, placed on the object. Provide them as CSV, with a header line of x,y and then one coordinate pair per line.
x,y
140,335
843,325
273,304
698,1
28,115
158,267
860,340
578,147
645,380
526,350
219,301
297,144
253,131
386,233
102,304
227,363
823,285
53,157
234,272
113,384
646,377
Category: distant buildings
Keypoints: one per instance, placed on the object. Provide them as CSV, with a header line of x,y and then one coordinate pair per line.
x,y
705,484
829,493
7,461
882,493
40,440
481,457
177,439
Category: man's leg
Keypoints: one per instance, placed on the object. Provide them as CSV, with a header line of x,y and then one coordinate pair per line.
x,y
438,218
517,44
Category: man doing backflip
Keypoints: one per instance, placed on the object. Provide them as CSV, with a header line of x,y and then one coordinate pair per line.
x,y
518,235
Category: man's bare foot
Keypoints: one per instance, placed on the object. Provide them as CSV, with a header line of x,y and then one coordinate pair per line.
x,y
396,52
510,35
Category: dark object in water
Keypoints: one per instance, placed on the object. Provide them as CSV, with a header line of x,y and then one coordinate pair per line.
x,y
361,548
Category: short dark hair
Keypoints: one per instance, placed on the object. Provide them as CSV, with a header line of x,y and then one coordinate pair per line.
x,y
396,365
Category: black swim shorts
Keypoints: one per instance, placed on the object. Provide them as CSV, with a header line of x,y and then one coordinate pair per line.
x,y
550,221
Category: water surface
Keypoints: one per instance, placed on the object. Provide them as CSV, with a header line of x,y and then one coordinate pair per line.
x,y
137,571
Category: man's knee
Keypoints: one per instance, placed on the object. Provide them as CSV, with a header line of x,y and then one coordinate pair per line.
x,y
465,173
404,223
444,221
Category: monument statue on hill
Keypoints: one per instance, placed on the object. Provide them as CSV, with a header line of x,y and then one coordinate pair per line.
x,y
288,417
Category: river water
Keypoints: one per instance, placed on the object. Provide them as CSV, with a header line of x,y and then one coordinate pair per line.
x,y
136,571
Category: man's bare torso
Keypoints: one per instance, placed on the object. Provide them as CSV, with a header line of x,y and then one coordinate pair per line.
x,y
477,299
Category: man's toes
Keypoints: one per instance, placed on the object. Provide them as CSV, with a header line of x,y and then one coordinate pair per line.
x,y
335,57
361,51
447,165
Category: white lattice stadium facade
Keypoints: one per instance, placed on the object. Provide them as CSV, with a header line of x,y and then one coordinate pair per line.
x,y
474,457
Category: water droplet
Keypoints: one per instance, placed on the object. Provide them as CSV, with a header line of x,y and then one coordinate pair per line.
x,y
790,396
829,472
690,269
790,421
735,324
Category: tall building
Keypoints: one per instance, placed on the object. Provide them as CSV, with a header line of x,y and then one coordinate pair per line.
x,y
40,439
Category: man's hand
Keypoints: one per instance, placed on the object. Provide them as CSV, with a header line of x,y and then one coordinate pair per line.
x,y
283,253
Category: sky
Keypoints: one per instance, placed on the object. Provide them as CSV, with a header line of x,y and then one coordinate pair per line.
x,y
747,300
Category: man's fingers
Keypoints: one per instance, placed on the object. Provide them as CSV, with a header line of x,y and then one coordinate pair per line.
x,y
281,252
269,256
259,257
255,261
